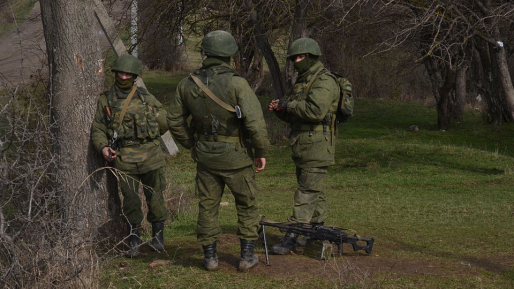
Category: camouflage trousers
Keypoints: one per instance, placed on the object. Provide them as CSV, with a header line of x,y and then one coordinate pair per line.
x,y
310,200
154,185
210,185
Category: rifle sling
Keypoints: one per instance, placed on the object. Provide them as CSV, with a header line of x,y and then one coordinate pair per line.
x,y
211,94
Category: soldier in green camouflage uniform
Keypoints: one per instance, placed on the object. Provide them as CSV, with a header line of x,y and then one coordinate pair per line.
x,y
133,145
310,108
225,144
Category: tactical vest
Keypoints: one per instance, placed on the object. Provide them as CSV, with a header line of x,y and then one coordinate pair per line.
x,y
139,124
217,124
300,92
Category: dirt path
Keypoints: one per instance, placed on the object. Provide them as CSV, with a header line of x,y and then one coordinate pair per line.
x,y
22,51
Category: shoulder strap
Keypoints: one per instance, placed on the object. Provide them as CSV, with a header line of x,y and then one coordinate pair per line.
x,y
211,94
125,105
314,77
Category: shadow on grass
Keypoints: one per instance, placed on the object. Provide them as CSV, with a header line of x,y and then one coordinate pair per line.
x,y
498,265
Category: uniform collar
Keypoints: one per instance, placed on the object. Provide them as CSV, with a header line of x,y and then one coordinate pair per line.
x,y
211,61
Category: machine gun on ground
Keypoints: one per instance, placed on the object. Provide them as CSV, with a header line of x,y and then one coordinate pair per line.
x,y
332,234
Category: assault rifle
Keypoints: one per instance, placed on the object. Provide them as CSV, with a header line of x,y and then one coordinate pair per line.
x,y
332,234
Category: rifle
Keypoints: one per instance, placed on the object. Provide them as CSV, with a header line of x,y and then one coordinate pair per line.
x,y
332,234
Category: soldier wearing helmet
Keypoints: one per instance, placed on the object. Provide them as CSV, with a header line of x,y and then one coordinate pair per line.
x,y
227,135
126,130
310,109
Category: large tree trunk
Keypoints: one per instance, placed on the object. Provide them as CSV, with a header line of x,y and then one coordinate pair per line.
x,y
460,92
445,104
443,86
489,83
298,30
506,82
264,46
76,79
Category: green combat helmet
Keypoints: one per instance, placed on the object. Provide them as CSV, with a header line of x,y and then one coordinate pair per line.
x,y
127,63
304,46
219,43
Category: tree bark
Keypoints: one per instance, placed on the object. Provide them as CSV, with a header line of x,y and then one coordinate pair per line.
x,y
76,80
265,48
445,104
489,83
298,30
460,92
506,82
443,80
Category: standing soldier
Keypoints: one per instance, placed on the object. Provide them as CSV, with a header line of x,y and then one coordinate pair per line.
x,y
126,128
310,109
227,133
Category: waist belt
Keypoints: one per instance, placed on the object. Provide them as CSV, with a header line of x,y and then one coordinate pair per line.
x,y
130,142
220,138
310,127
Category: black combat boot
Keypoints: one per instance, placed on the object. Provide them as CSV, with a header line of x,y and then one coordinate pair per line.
x,y
248,259
210,259
134,239
286,245
158,236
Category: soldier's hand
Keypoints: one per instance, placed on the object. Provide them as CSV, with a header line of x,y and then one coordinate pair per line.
x,y
260,163
273,105
109,154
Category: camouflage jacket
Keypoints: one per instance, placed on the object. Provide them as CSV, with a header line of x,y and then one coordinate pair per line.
x,y
311,113
138,146
219,139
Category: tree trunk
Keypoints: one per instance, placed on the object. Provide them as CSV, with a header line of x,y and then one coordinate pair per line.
x,y
443,80
298,29
76,80
489,82
445,104
460,92
506,82
265,48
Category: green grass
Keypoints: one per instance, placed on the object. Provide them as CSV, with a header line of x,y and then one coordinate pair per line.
x,y
439,204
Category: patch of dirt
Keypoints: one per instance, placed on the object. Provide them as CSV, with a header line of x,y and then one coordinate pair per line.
x,y
349,268
22,51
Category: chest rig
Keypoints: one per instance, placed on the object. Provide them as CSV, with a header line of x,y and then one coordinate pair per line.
x,y
300,92
139,121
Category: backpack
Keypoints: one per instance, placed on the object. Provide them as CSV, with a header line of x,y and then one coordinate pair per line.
x,y
346,103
